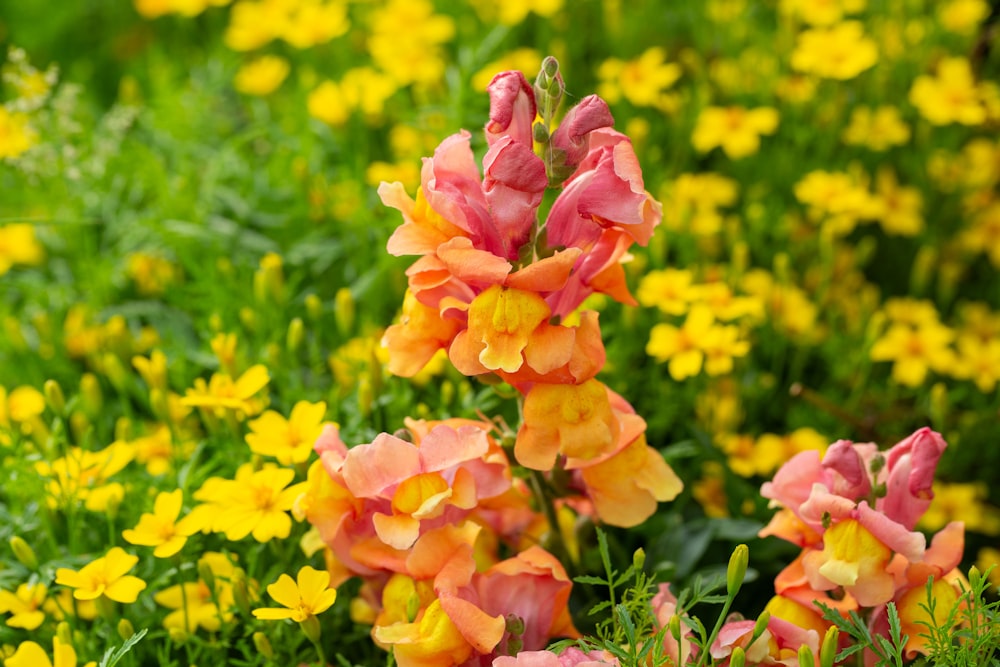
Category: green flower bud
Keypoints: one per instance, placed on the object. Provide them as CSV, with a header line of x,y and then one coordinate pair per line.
x,y
65,633
54,397
263,645
314,307
828,650
295,335
125,629
738,658
638,559
344,311
806,656
23,552
737,569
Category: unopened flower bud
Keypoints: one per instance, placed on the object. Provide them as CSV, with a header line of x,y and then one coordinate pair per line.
x,y
761,625
738,658
806,656
344,310
125,629
54,397
64,633
241,591
79,424
540,133
295,335
263,645
828,650
115,371
310,628
23,552
123,428
248,318
514,624
737,569
269,280
638,558
91,397
674,626
177,635
314,307
206,574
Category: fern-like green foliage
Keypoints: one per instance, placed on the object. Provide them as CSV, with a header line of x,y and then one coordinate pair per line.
x,y
970,635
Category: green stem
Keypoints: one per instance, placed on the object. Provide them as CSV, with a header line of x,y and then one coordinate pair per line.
x,y
555,543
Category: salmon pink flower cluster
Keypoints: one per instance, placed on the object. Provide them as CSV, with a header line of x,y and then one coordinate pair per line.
x,y
495,284
853,512
438,519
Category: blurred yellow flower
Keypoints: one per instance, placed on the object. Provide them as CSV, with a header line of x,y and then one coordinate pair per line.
x,y
406,38
197,604
82,475
221,393
962,16
161,529
951,96
899,207
104,576
736,129
966,502
983,233
915,351
18,244
307,595
698,343
835,199
151,274
301,23
328,104
642,81
979,361
289,440
692,201
30,654
821,12
16,135
841,51
261,76
24,605
513,12
525,59
877,129
670,290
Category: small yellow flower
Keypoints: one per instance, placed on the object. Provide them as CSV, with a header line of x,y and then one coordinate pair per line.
x,y
104,576
524,60
962,16
735,129
161,529
221,393
306,596
18,245
255,502
195,604
841,51
914,351
261,76
24,605
643,81
30,654
670,290
289,440
16,135
877,129
951,96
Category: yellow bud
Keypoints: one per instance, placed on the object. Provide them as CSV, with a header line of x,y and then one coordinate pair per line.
x,y
296,333
674,626
79,424
23,552
115,371
737,569
65,633
366,395
314,307
54,397
215,323
310,628
638,558
241,591
123,428
248,318
738,658
159,403
125,629
263,645
177,635
344,311
91,397
14,335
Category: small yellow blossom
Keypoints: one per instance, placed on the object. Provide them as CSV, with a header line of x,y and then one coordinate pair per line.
x,y
983,233
979,361
513,12
161,529
261,76
524,59
82,475
962,16
195,604
736,129
221,393
670,290
151,274
308,595
30,654
16,135
406,39
835,199
643,81
951,96
255,502
692,202
289,440
821,12
914,351
841,51
966,502
25,605
899,207
698,343
104,576
877,129
18,245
